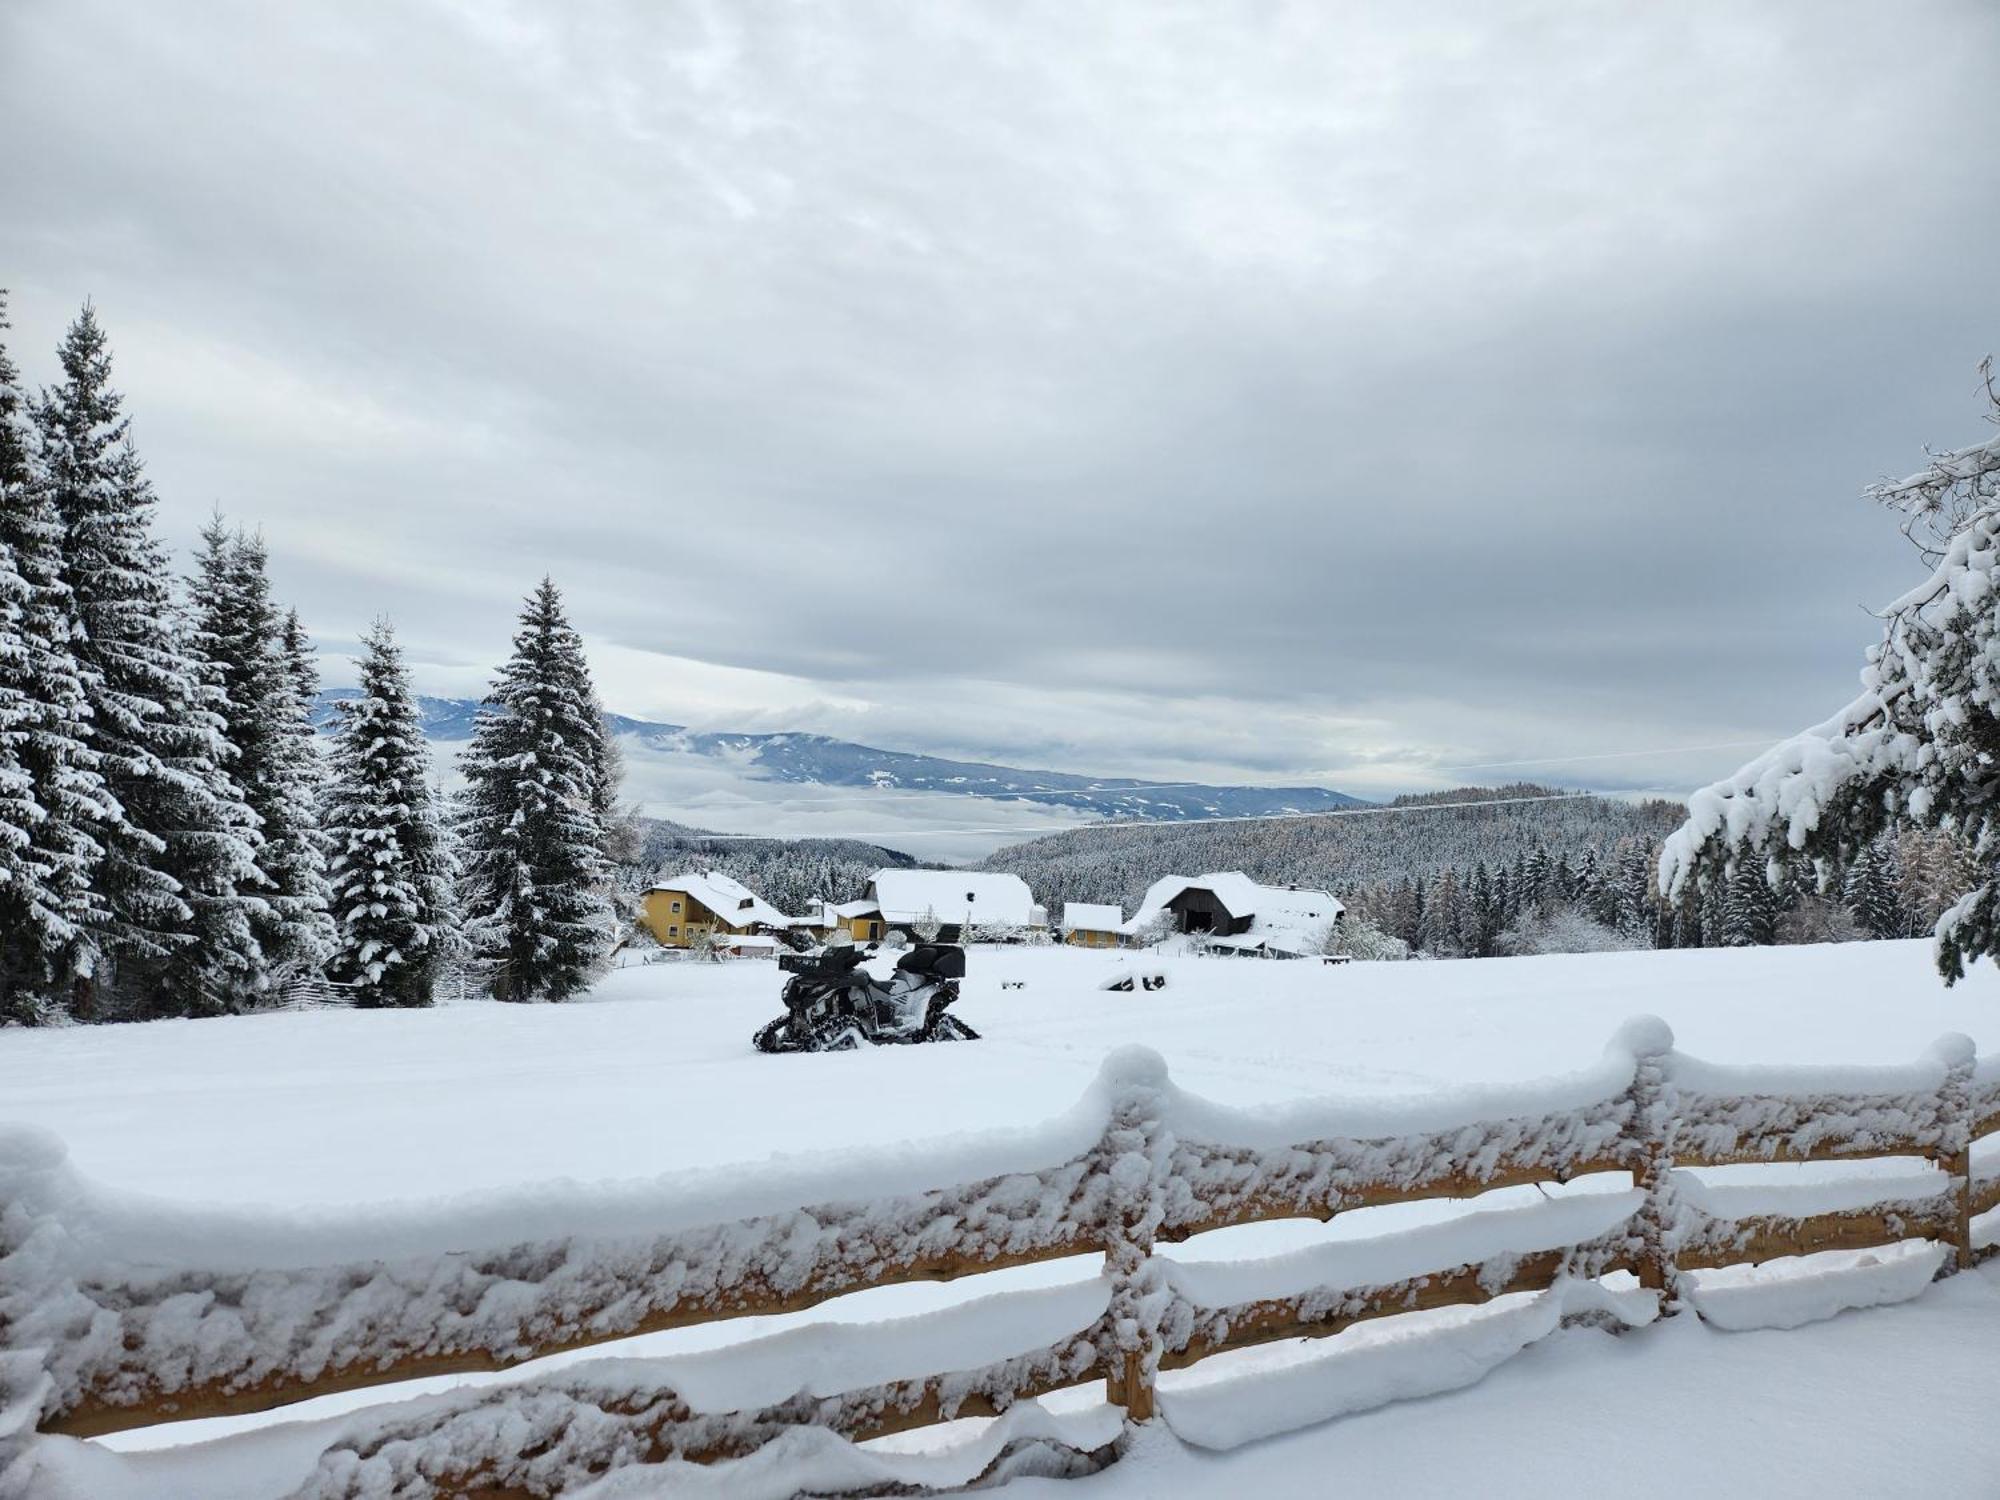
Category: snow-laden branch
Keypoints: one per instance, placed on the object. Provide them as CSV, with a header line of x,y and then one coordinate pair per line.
x,y
1921,741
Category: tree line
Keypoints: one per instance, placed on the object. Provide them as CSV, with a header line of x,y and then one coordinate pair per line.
x,y
173,839
1520,868
1896,886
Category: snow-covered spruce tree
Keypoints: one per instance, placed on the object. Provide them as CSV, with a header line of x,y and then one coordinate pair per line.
x,y
1920,741
269,727
1870,890
51,797
178,872
533,879
390,869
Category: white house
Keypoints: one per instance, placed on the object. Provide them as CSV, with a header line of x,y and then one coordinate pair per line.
x,y
954,899
1238,915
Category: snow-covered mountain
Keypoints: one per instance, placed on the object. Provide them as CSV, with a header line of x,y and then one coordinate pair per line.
x,y
802,784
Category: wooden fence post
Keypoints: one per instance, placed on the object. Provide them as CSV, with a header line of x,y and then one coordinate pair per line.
x,y
1954,1148
1136,1159
1650,1149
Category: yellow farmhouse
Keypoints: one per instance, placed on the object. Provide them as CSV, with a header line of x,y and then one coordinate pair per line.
x,y
682,910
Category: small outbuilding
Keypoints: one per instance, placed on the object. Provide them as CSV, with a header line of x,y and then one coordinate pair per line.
x,y
1236,914
1088,925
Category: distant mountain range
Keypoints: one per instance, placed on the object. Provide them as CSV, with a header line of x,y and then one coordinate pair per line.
x,y
779,761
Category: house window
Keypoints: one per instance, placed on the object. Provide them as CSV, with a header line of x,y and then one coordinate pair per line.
x,y
673,931
675,908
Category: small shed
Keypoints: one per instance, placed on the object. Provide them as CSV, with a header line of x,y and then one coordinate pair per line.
x,y
1086,924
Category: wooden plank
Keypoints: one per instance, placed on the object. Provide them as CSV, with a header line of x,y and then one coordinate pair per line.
x,y
1751,1241
1253,1323
1755,1155
1985,1195
97,1414
1347,1197
657,1426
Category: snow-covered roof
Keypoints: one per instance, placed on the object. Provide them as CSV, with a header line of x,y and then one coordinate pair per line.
x,y
833,913
1088,916
1288,917
731,900
952,895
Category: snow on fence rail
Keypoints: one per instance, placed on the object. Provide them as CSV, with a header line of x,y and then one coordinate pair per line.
x,y
118,1312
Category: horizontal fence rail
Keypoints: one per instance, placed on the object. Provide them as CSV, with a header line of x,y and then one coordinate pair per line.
x,y
116,1313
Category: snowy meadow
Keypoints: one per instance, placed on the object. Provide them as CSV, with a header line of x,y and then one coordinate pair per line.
x,y
648,1085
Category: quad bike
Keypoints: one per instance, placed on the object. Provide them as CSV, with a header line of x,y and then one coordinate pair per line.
x,y
832,1004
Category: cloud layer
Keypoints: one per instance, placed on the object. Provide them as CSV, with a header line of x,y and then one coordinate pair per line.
x,y
1248,391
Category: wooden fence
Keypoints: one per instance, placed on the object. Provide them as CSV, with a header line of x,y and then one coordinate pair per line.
x,y
1162,1169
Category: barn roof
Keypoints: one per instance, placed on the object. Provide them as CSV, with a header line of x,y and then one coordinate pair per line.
x,y
1288,917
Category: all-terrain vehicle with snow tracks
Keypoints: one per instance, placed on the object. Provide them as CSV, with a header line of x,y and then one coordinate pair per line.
x,y
833,1004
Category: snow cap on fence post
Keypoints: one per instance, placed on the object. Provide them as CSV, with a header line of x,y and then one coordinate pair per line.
x,y
1132,1067
1954,1050
1643,1036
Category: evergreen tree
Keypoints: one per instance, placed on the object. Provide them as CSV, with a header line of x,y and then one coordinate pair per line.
x,y
1870,890
1442,918
178,872
1750,908
531,830
1536,874
389,867
1480,927
1633,902
51,796
269,728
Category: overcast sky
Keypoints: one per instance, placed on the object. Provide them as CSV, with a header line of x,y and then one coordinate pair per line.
x,y
1251,391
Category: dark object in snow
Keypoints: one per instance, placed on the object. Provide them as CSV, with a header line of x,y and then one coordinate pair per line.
x,y
832,1004
1013,984
1144,979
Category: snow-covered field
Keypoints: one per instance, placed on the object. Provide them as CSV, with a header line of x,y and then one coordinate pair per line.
x,y
654,1075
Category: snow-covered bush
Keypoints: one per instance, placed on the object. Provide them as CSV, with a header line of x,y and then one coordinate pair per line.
x,y
927,927
1816,919
1918,744
894,940
1360,939
1564,930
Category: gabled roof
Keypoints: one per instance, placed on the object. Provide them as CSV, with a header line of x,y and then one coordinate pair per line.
x,y
952,895
1292,918
1086,916
731,900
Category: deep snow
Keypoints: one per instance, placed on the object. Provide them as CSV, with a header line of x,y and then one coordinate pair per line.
x,y
655,1073
655,1070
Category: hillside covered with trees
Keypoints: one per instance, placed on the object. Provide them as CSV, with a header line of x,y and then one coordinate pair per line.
x,y
1479,871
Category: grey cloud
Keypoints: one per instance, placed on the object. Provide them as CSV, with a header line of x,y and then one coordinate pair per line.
x,y
1258,390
